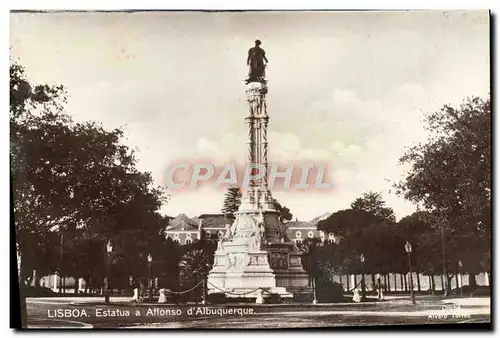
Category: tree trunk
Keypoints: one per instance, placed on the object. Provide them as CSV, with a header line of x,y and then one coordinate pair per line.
x,y
402,281
86,291
442,283
431,284
348,284
418,282
388,283
395,284
448,284
385,283
406,282
77,284
373,281
472,281
22,293
456,281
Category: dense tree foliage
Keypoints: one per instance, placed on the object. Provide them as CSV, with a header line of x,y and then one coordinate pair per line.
x,y
286,214
450,177
232,201
75,186
373,203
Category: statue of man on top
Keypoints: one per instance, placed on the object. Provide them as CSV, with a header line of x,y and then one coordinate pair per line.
x,y
256,62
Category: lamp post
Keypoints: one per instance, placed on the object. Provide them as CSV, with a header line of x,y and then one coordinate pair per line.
x,y
363,286
150,259
379,287
313,271
460,265
109,249
408,251
61,264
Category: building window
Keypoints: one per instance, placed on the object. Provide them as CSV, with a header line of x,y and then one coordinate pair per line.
x,y
310,234
176,240
188,235
298,241
208,234
188,240
298,234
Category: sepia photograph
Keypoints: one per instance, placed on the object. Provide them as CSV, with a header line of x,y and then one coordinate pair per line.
x,y
251,169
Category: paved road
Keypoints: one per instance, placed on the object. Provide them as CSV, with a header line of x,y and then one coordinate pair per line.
x,y
88,313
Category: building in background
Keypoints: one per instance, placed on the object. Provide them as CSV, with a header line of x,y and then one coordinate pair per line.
x,y
184,230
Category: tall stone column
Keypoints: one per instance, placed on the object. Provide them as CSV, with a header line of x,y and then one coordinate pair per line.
x,y
257,120
254,252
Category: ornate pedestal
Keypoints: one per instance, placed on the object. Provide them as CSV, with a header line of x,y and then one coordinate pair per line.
x,y
248,260
254,259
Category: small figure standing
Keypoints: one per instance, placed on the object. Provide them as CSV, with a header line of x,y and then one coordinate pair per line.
x,y
135,297
228,233
260,297
380,292
262,235
163,296
356,296
255,62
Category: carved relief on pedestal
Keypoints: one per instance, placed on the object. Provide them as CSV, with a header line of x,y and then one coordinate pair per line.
x,y
278,260
294,261
237,261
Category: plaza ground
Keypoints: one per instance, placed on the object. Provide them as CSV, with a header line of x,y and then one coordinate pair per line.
x,y
396,310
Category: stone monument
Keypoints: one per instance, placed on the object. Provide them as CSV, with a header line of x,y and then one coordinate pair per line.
x,y
254,255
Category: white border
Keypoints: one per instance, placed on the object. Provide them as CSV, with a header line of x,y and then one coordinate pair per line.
x,y
185,4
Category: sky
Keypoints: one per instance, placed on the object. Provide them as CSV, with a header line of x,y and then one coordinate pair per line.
x,y
349,89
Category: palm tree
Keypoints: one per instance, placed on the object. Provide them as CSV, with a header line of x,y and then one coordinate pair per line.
x,y
194,266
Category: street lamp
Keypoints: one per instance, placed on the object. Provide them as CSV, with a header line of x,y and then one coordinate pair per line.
x,y
460,264
109,249
150,259
408,251
363,286
313,271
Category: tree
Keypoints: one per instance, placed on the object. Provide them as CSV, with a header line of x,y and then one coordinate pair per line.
x,y
33,211
349,223
195,264
75,186
232,201
362,232
286,215
450,177
373,203
450,174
